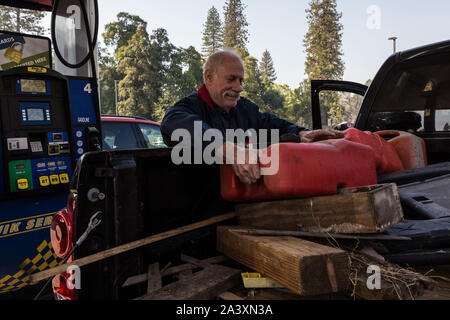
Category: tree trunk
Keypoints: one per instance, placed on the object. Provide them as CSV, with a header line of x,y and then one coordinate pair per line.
x,y
17,20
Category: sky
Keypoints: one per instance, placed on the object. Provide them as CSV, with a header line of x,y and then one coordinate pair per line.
x,y
280,26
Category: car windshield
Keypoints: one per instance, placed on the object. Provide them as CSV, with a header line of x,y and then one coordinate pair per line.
x,y
152,135
414,97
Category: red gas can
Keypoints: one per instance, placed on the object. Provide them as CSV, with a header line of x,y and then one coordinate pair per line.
x,y
386,157
410,148
304,170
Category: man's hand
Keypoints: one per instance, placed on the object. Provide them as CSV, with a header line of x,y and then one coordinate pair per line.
x,y
244,162
320,135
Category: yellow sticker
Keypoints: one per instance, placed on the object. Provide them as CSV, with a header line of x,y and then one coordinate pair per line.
x,y
54,179
22,184
64,178
44,181
427,112
37,69
429,87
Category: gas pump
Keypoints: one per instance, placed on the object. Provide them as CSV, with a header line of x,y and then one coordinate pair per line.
x,y
48,120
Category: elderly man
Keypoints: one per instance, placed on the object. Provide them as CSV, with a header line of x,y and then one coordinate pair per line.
x,y
218,104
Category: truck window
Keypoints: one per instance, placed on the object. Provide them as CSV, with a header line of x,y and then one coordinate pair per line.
x,y
342,108
152,135
118,135
414,97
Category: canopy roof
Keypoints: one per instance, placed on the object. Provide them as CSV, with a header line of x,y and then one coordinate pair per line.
x,y
29,4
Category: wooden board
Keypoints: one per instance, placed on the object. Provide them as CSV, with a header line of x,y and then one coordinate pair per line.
x,y
35,277
307,268
203,285
369,209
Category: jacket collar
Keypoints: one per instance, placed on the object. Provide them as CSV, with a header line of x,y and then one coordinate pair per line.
x,y
204,95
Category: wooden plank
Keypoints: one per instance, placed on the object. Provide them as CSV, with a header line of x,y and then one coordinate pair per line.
x,y
304,234
172,270
154,278
285,294
196,262
203,263
229,296
129,246
369,209
305,267
203,285
441,275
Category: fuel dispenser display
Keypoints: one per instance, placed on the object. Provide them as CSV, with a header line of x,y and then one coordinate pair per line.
x,y
35,114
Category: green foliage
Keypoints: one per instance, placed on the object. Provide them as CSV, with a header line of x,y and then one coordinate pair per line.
x,y
269,98
267,69
21,20
323,43
118,33
352,103
108,74
235,33
253,86
212,33
142,67
184,76
154,74
298,105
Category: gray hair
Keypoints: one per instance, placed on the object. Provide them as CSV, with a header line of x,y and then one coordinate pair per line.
x,y
215,60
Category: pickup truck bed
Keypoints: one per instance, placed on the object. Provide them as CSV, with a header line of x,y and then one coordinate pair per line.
x,y
146,194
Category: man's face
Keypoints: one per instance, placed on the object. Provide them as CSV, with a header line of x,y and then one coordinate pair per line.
x,y
225,85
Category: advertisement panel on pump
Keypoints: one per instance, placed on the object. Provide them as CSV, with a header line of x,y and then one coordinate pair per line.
x,y
19,50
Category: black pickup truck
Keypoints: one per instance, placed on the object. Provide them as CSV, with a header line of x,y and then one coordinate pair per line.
x,y
141,192
410,92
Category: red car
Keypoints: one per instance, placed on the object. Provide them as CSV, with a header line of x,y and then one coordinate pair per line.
x,y
127,132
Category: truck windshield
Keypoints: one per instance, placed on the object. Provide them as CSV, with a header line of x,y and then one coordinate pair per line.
x,y
414,97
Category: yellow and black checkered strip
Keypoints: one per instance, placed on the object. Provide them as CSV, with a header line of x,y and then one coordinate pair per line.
x,y
46,258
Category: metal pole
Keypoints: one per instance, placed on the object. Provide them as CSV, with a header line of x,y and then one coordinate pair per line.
x,y
394,40
115,90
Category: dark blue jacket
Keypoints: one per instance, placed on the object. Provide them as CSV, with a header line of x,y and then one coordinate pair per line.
x,y
198,106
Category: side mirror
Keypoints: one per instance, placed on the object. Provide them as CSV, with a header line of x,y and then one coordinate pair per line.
x,y
93,139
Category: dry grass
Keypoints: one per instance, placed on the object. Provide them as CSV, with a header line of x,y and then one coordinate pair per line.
x,y
397,282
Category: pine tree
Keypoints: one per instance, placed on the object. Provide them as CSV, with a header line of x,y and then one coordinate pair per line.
x,y
21,20
107,77
323,43
118,33
267,70
298,105
235,33
212,33
184,75
253,86
143,64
